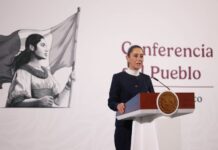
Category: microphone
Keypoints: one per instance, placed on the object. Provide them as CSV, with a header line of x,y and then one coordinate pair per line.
x,y
161,83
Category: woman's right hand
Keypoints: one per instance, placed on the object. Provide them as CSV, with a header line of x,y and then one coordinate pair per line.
x,y
121,108
46,101
70,80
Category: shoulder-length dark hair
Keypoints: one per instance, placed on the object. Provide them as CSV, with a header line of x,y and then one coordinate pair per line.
x,y
25,56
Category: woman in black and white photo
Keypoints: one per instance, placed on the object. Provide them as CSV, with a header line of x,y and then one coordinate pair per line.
x,y
33,85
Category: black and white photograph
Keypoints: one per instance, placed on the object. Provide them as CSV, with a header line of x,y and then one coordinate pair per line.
x,y
30,70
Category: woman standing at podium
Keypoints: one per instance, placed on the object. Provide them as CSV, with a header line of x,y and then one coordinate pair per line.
x,y
124,86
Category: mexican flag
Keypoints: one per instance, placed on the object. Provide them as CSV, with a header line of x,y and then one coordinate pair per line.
x,y
60,39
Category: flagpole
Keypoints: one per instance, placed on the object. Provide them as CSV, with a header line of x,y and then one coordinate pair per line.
x,y
73,65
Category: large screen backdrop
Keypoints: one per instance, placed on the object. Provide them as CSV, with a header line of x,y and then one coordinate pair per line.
x,y
180,43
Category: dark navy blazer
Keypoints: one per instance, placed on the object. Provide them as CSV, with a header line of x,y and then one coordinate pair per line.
x,y
125,86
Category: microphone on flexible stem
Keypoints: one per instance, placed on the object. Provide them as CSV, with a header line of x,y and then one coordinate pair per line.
x,y
161,83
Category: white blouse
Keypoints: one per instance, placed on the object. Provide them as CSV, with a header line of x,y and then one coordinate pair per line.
x,y
28,85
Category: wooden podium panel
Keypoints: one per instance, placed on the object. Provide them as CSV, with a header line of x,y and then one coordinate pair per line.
x,y
145,104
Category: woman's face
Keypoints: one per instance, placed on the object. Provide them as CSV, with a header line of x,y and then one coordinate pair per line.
x,y
41,49
135,59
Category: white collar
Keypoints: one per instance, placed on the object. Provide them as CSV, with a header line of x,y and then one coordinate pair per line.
x,y
132,72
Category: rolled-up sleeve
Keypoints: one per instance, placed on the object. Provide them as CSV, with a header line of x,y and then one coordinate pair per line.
x,y
20,88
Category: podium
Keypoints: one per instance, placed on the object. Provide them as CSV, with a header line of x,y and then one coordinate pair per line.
x,y
144,108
